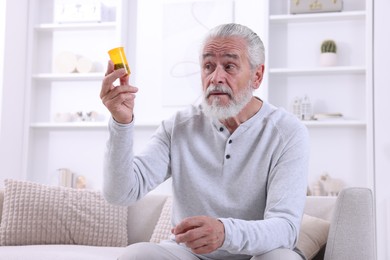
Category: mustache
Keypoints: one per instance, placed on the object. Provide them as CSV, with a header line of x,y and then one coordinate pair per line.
x,y
218,88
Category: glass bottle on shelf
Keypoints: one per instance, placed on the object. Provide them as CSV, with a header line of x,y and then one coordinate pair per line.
x,y
307,108
297,107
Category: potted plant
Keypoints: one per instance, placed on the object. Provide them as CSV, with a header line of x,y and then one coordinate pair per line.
x,y
328,55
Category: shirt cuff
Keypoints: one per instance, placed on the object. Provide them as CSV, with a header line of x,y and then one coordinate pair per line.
x,y
228,233
116,124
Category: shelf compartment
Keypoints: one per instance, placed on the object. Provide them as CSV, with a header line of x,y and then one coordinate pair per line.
x,y
318,71
318,17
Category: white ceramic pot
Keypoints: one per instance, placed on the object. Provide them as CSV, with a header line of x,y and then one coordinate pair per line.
x,y
328,59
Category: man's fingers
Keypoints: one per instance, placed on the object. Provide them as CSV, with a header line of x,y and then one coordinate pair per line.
x,y
118,99
200,233
199,240
110,67
203,249
187,224
123,100
124,80
111,76
119,91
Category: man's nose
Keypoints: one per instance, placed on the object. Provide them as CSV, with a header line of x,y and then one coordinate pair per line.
x,y
218,76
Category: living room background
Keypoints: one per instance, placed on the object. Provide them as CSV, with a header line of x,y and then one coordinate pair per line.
x,y
79,148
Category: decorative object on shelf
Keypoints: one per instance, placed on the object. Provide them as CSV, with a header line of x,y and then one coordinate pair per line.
x,y
331,186
327,186
65,62
69,62
90,116
324,116
302,108
63,117
65,177
69,179
297,107
307,108
70,11
79,116
81,182
315,6
84,65
328,56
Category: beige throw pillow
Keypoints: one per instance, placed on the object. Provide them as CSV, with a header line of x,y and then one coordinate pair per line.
x,y
40,214
313,235
162,230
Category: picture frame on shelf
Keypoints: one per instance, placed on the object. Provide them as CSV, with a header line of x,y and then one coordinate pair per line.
x,y
315,6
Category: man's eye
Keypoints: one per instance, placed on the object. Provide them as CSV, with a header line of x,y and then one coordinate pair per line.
x,y
208,66
230,67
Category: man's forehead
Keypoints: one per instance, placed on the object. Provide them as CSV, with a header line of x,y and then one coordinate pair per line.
x,y
229,47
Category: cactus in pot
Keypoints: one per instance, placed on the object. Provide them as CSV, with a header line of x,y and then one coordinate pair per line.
x,y
328,46
328,53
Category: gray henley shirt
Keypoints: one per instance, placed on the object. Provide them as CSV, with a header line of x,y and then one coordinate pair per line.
x,y
254,180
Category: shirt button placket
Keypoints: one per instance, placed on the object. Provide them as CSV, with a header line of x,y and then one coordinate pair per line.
x,y
227,156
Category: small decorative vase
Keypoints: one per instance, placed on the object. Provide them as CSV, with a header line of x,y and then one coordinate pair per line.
x,y
328,59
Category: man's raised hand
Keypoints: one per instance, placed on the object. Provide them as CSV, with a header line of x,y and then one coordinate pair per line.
x,y
119,100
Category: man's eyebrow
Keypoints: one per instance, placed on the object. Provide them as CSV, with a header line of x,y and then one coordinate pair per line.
x,y
207,55
228,55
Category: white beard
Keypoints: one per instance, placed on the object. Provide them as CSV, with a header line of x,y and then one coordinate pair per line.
x,y
236,104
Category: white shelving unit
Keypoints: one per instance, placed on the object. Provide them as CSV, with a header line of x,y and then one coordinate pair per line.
x,y
318,71
70,125
51,143
339,147
75,26
317,17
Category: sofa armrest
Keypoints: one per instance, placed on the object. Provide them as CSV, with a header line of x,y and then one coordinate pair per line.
x,y
352,233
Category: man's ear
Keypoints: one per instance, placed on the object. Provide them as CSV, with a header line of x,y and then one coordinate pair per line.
x,y
258,76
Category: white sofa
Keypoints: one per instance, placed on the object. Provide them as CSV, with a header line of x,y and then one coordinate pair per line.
x,y
351,232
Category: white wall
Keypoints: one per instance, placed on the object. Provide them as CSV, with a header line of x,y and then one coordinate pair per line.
x,y
13,89
2,37
382,125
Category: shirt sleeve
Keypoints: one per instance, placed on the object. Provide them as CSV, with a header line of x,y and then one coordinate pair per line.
x,y
127,177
